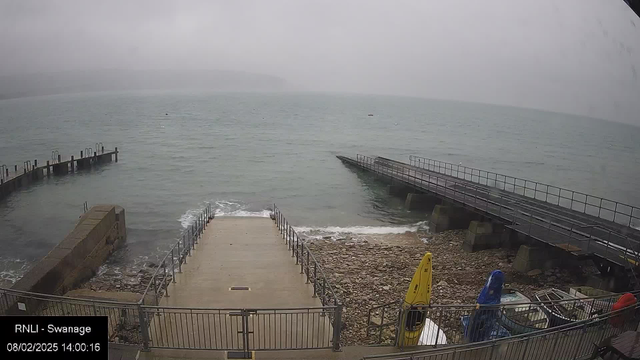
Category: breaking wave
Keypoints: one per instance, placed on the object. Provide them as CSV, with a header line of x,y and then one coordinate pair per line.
x,y
224,208
337,231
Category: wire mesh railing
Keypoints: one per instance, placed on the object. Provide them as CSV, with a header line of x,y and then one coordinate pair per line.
x,y
571,341
459,324
606,243
171,263
313,272
610,210
240,329
123,318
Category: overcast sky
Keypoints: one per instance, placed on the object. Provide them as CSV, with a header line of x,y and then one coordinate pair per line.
x,y
575,56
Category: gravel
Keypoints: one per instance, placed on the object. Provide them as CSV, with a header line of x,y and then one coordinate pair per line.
x,y
370,270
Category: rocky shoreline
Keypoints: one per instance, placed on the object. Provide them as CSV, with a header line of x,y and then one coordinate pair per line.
x,y
371,270
113,278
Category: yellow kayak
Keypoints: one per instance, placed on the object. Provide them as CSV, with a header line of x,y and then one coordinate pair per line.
x,y
417,298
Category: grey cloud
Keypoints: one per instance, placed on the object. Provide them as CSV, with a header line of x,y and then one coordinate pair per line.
x,y
577,56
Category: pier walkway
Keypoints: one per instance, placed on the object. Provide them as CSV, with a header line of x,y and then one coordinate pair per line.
x,y
584,225
241,252
243,288
17,177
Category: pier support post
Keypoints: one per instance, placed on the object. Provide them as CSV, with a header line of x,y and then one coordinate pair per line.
x,y
81,156
420,202
116,154
16,169
481,236
48,169
35,163
59,157
529,258
72,164
451,217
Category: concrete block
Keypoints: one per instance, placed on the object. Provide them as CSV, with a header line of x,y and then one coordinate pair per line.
x,y
420,202
451,217
480,236
529,258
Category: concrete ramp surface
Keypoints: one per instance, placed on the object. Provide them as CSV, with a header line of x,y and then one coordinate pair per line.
x,y
243,290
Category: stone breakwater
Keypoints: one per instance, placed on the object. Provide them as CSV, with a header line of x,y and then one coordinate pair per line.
x,y
370,270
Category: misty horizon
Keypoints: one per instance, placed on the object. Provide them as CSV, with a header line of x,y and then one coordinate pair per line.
x,y
577,57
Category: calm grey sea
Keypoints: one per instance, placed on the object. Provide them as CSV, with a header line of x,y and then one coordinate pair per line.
x,y
242,152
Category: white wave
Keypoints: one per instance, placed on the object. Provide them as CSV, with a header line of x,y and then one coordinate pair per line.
x,y
232,208
12,270
223,208
363,230
263,213
188,217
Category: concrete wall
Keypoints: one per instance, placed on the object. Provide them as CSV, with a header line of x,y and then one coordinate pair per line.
x,y
77,257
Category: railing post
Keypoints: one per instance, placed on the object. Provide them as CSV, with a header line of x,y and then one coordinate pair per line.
x,y
302,260
162,286
584,330
315,278
144,327
173,266
324,290
293,244
307,266
180,256
155,290
337,327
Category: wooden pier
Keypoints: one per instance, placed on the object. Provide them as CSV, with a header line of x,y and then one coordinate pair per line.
x,y
15,178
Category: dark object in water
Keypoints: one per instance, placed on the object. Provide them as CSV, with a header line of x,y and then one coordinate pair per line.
x,y
370,115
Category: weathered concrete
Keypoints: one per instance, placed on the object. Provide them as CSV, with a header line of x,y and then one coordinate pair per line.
x,y
76,258
239,252
529,258
481,236
423,202
446,217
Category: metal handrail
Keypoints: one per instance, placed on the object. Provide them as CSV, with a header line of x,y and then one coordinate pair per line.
x,y
298,249
542,188
628,250
310,267
449,187
176,256
562,329
524,205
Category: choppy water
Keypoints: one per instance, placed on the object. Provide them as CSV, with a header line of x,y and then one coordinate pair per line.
x,y
245,151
